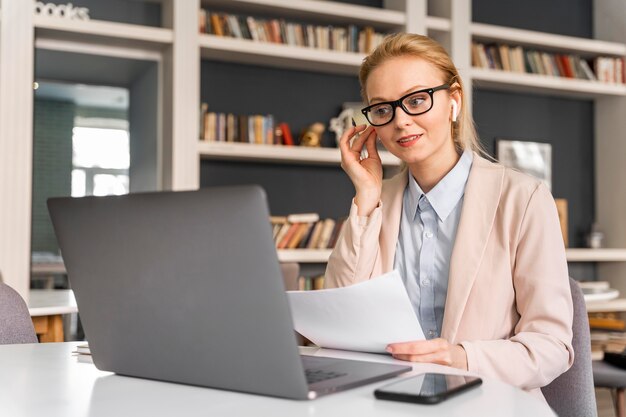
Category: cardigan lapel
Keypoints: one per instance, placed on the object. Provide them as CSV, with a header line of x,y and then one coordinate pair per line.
x,y
391,214
482,194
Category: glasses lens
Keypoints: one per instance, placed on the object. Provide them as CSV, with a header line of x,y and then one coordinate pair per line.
x,y
417,103
379,115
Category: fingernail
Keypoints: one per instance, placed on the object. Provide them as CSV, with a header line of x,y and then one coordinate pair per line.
x,y
389,349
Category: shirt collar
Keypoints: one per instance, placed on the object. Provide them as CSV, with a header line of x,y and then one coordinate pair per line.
x,y
446,194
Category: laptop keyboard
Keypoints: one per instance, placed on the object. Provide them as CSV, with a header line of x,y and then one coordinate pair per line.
x,y
318,375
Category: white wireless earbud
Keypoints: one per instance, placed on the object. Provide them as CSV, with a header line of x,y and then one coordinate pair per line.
x,y
454,110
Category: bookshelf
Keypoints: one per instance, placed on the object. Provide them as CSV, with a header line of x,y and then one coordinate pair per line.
x,y
544,85
177,48
326,11
595,255
281,56
279,154
102,33
304,255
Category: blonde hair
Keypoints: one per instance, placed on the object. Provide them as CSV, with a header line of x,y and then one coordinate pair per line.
x,y
410,44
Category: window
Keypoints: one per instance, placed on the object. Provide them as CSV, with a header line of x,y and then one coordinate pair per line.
x,y
100,157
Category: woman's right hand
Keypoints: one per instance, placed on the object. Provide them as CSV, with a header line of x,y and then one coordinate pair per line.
x,y
366,174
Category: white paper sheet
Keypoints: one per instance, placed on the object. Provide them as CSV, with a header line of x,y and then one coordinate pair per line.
x,y
364,317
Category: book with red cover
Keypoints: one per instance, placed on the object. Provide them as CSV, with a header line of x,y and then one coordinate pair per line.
x,y
287,138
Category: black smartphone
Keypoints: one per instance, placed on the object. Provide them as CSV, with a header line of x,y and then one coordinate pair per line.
x,y
427,388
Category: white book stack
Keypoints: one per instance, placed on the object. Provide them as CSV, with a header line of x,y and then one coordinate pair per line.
x,y
596,291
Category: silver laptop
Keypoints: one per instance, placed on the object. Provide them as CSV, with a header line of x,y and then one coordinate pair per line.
x,y
186,287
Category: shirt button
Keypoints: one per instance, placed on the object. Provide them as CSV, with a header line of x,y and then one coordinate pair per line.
x,y
428,234
431,333
425,282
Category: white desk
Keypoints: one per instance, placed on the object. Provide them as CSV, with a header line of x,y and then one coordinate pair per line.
x,y
46,308
46,380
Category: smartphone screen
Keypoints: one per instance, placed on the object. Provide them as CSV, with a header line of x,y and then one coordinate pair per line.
x,y
426,388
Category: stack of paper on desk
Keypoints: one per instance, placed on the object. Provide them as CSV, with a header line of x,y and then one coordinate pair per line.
x,y
364,317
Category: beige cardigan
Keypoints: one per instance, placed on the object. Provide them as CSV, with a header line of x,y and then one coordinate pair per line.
x,y
509,302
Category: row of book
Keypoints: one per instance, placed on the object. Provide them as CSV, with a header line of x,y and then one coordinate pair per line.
x,y
311,283
522,60
305,231
345,39
229,127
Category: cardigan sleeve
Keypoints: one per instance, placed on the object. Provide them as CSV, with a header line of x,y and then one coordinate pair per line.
x,y
540,348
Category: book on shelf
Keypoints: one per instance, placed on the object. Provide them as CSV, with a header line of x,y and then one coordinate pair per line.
x,y
606,341
523,60
606,321
305,231
229,127
311,283
349,38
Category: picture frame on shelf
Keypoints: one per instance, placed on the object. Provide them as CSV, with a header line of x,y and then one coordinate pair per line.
x,y
533,158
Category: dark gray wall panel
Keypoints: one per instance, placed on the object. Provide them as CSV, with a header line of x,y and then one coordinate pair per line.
x,y
564,17
566,124
290,188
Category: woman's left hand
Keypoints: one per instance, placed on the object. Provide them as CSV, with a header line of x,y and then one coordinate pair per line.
x,y
437,351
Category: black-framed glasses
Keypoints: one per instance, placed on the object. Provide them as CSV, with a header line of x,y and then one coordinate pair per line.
x,y
415,103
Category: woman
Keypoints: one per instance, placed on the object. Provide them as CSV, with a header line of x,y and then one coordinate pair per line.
x,y
478,245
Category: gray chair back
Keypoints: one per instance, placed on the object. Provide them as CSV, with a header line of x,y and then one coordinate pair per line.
x,y
572,393
16,325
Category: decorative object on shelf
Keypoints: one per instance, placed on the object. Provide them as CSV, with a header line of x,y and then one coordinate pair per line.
x,y
561,208
595,238
343,121
312,135
64,11
533,158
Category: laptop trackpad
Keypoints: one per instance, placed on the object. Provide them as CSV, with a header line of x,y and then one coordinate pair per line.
x,y
326,375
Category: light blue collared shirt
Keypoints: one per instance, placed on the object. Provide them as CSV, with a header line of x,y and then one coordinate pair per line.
x,y
427,231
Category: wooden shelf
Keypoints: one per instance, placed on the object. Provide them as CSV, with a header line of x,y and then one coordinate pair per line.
x,y
328,11
277,153
246,51
546,41
304,255
101,33
543,84
595,255
616,305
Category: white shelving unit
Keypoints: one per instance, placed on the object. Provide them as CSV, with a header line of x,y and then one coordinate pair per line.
x,y
611,306
178,47
304,255
102,32
546,41
245,51
279,154
326,11
595,255
544,85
